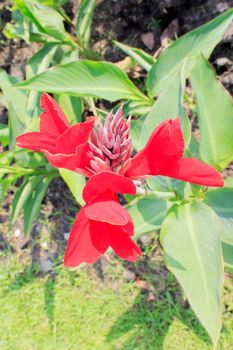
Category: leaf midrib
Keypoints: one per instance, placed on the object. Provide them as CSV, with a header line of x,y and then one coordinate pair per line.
x,y
191,230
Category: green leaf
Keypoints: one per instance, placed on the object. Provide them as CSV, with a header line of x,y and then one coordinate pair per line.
x,y
227,254
15,102
22,196
138,55
86,78
215,115
75,182
20,28
4,134
148,214
37,64
72,106
167,106
33,203
54,4
84,21
46,19
5,185
221,201
228,182
190,237
201,40
135,132
29,159
137,108
166,184
14,97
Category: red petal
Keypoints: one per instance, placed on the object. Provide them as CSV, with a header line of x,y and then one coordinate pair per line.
x,y
74,136
164,145
99,236
69,161
53,120
104,235
122,244
80,247
105,181
36,141
109,211
195,171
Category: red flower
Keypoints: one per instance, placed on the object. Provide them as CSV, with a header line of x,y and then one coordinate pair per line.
x,y
163,155
62,144
102,222
110,146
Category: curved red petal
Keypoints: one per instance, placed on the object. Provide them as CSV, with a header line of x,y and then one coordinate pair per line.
x,y
104,235
36,141
122,244
165,144
74,136
195,171
69,161
105,181
80,247
110,212
52,120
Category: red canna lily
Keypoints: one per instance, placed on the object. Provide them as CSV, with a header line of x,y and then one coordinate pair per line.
x,y
102,222
105,158
110,146
62,144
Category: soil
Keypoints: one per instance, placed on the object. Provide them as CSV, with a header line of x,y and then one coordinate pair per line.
x,y
147,24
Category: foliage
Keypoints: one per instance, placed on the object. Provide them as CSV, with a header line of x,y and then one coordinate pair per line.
x,y
193,220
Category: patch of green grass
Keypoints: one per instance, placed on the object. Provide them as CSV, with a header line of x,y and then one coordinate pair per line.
x,y
70,310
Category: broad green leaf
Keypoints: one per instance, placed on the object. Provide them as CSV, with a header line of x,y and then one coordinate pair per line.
x,y
22,196
33,203
137,108
47,20
228,182
84,21
190,236
135,132
148,214
54,4
227,254
86,78
15,102
37,64
75,182
15,125
167,106
67,56
221,201
72,106
141,57
13,96
201,40
166,184
215,115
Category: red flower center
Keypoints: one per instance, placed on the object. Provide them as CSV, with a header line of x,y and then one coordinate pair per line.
x,y
110,143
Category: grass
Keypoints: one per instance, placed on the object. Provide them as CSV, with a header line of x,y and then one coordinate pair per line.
x,y
70,310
